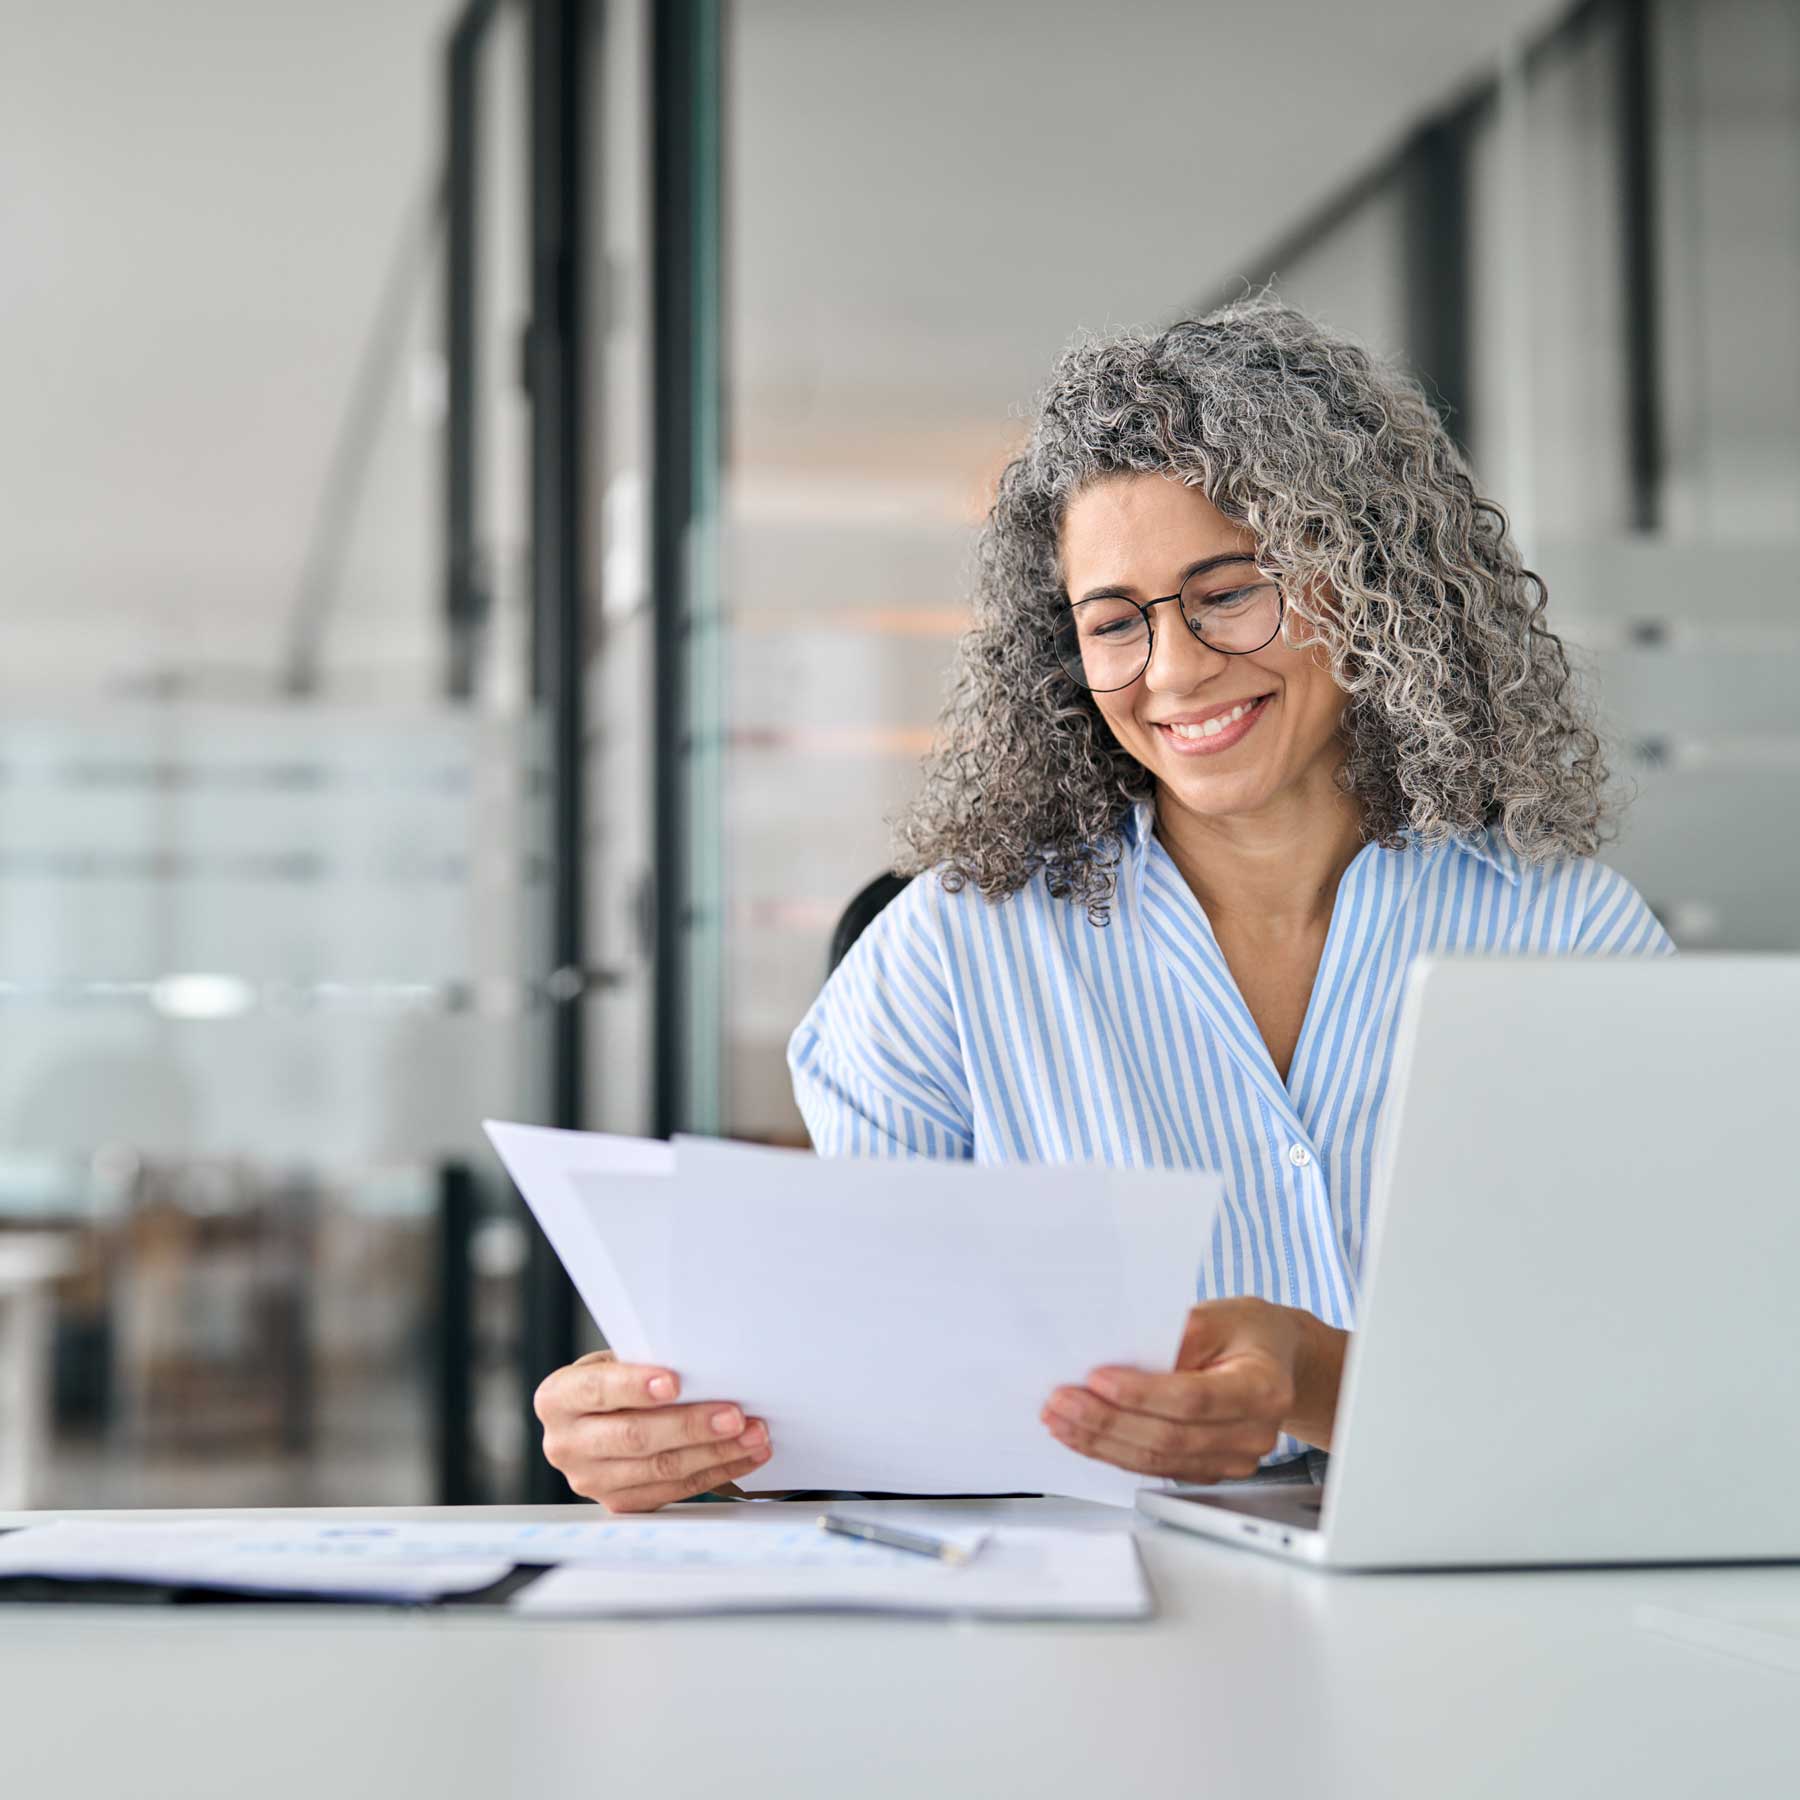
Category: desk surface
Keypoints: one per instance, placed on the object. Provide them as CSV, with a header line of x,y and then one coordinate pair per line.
x,y
1256,1677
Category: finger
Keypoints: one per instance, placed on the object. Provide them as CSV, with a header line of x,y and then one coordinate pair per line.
x,y
1239,1388
673,1466
641,1434
1098,1425
1101,1423
1096,1421
1090,1444
1172,1448
602,1384
663,1493
1218,1457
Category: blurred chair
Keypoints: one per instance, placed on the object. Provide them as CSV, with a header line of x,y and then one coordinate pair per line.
x,y
29,1265
860,914
212,1344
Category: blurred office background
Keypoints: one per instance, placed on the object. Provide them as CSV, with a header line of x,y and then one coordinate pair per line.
x,y
486,493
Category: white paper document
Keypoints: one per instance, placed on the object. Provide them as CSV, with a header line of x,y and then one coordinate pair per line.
x,y
669,1564
622,1273
328,1562
898,1323
672,1566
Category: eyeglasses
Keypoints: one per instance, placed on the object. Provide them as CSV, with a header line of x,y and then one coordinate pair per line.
x,y
1106,644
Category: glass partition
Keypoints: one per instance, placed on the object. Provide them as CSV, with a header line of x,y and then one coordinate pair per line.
x,y
271,903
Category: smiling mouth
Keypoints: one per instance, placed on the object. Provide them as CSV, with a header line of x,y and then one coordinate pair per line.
x,y
1221,729
1219,721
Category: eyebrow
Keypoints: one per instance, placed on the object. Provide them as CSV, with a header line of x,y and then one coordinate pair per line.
x,y
1204,566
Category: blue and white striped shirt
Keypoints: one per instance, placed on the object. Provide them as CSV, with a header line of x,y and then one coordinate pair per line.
x,y
1019,1031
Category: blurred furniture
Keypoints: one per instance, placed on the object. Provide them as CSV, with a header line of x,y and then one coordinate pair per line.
x,y
29,1264
454,1389
861,913
1481,1686
212,1344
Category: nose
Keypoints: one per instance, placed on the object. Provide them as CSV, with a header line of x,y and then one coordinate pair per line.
x,y
1179,661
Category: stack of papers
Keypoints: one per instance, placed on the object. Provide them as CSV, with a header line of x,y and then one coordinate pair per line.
x,y
681,1568
756,1560
899,1324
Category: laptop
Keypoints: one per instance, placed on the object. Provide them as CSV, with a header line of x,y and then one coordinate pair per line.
x,y
1580,1331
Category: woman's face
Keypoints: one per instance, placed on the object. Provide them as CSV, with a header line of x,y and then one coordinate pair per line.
x,y
1139,535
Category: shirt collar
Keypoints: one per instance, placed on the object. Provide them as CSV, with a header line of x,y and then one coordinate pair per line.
x,y
1140,822
1481,846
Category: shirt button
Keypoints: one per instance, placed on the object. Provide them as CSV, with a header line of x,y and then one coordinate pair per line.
x,y
1299,1155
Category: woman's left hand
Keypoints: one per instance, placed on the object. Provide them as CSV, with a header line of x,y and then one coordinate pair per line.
x,y
1247,1371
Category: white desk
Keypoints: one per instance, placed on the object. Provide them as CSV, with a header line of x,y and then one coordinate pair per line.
x,y
1256,1678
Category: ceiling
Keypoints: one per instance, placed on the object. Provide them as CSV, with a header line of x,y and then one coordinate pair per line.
x,y
926,201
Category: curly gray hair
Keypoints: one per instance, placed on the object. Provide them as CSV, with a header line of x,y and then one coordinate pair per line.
x,y
1462,712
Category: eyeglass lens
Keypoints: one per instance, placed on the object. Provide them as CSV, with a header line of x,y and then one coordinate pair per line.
x,y
1106,644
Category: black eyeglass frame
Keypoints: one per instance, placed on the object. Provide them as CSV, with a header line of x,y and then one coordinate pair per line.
x,y
1144,607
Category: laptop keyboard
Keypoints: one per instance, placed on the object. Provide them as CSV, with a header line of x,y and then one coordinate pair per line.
x,y
1281,1502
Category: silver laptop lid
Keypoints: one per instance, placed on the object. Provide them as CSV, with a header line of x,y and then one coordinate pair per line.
x,y
1580,1337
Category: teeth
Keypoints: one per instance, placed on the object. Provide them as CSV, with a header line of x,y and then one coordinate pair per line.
x,y
1212,727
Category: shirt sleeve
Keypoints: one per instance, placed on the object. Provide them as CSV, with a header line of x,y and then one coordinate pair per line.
x,y
877,1062
1616,921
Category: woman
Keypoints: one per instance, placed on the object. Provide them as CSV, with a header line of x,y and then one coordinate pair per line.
x,y
1258,706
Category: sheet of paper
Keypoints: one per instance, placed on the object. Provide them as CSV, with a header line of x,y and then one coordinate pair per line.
x,y
416,1559
1018,1573
744,1537
239,1557
572,1180
900,1324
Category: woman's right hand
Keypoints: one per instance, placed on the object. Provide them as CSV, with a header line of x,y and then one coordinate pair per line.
x,y
609,1428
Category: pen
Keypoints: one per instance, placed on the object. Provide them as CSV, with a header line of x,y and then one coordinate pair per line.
x,y
895,1539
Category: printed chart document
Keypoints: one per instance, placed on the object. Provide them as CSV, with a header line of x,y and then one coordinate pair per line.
x,y
898,1323
336,1562
670,1566
754,1559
